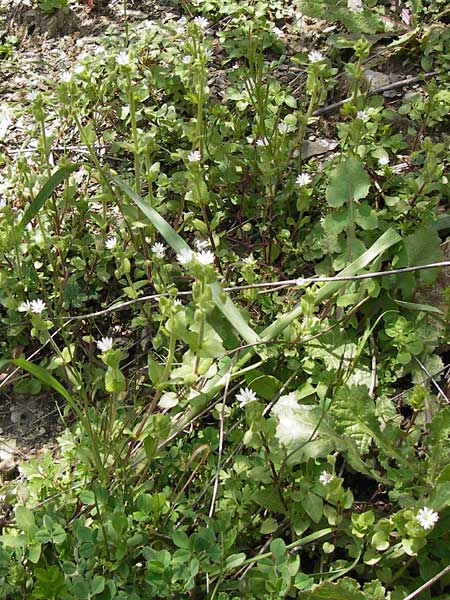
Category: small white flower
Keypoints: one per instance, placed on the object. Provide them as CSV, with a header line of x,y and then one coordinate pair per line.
x,y
177,302
185,256
315,56
383,161
187,59
24,306
303,179
245,396
66,77
32,95
205,257
111,243
262,141
362,114
283,127
194,156
277,31
202,23
208,54
326,477
427,518
105,344
355,6
159,249
201,244
37,306
249,260
123,59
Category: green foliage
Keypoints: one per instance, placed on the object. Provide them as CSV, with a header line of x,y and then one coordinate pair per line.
x,y
230,439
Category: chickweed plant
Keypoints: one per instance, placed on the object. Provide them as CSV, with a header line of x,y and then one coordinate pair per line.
x,y
247,339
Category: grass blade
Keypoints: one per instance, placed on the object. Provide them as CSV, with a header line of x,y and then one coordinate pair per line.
x,y
44,194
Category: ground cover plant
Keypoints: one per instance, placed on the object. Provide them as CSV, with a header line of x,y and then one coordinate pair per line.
x,y
224,254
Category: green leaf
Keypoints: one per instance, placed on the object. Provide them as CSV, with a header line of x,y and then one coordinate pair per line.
x,y
313,506
278,549
234,560
43,195
180,539
348,181
24,518
421,247
345,589
45,377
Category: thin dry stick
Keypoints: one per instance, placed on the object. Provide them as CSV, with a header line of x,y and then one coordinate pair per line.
x,y
429,583
392,86
220,450
269,285
433,381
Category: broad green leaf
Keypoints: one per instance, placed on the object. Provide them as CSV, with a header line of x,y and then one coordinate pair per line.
x,y
43,195
221,299
349,181
345,589
24,518
234,560
180,539
313,506
421,247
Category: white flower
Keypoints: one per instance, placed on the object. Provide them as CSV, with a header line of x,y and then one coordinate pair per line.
x,y
194,156
208,54
185,256
32,95
123,59
177,302
159,249
262,141
315,56
326,477
245,396
201,244
37,306
355,6
277,31
66,77
427,518
362,114
201,22
187,59
383,161
283,127
303,179
24,306
249,260
110,243
205,257
105,344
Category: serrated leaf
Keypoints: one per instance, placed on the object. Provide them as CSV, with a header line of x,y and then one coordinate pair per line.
x,y
349,181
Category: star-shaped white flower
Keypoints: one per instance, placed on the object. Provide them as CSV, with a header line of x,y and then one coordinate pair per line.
x,y
37,306
123,59
303,179
110,243
24,306
427,518
262,141
362,114
202,23
383,161
205,257
315,56
283,127
159,249
186,59
105,344
194,156
325,477
185,256
245,396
